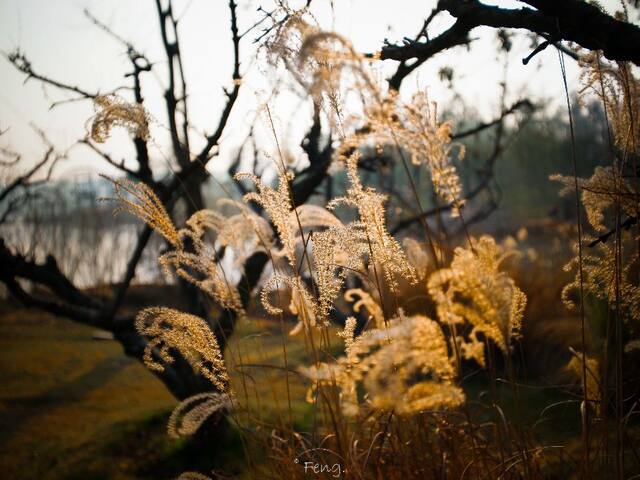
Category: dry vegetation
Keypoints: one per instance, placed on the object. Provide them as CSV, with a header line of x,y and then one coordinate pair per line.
x,y
427,376
400,401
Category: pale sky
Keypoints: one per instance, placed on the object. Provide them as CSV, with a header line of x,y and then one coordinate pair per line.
x,y
63,44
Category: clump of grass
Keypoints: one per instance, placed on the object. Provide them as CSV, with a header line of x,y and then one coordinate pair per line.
x,y
402,401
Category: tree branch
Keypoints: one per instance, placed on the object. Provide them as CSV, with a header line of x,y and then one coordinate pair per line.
x,y
80,314
213,139
305,183
140,64
22,180
457,34
627,224
520,104
119,165
20,61
47,274
172,51
570,20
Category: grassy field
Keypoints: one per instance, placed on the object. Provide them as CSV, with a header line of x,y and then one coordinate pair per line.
x,y
69,403
74,407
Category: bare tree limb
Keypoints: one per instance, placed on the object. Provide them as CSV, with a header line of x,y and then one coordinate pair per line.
x,y
22,180
305,183
80,314
47,274
119,165
627,224
140,64
213,139
519,105
9,154
456,35
168,27
20,61
569,20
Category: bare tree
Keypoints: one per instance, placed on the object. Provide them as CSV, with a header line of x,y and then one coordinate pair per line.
x,y
185,184
552,21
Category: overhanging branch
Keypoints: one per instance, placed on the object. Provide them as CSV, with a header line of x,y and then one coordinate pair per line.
x,y
568,20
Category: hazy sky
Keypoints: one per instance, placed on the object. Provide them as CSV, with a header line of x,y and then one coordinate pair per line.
x,y
63,44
